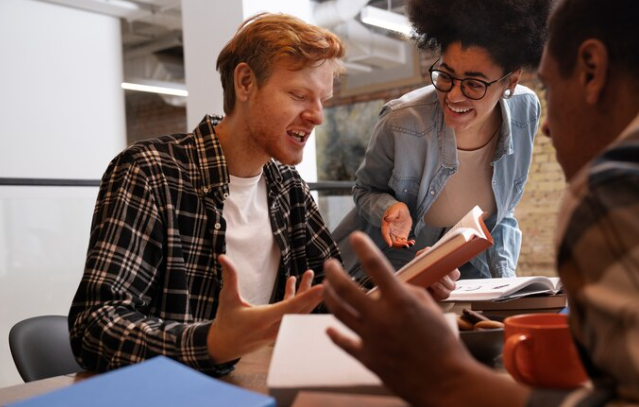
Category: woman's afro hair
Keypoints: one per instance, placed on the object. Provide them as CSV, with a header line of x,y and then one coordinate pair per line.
x,y
512,31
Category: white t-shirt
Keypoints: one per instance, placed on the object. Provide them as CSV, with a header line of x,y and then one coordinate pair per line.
x,y
249,238
471,185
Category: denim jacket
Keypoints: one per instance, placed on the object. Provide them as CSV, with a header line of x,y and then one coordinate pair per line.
x,y
410,157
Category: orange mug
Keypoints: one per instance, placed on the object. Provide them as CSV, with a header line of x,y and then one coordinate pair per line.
x,y
539,351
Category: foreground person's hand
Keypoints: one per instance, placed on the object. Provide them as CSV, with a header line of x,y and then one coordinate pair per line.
x,y
240,328
405,340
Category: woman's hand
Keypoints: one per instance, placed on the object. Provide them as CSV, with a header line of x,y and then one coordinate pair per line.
x,y
442,288
396,225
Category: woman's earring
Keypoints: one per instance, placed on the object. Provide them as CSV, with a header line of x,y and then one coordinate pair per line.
x,y
508,93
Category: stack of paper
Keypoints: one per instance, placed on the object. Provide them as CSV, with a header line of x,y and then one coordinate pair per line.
x,y
510,296
305,359
324,399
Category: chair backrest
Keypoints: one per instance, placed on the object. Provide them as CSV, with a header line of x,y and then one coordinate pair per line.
x,y
41,348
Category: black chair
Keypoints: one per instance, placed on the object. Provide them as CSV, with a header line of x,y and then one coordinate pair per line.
x,y
40,348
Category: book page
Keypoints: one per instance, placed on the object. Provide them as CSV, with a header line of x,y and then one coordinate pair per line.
x,y
468,226
556,282
502,288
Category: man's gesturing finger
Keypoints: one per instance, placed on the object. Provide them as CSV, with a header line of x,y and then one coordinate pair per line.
x,y
375,263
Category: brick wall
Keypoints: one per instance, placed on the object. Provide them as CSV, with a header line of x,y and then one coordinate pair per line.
x,y
148,116
538,209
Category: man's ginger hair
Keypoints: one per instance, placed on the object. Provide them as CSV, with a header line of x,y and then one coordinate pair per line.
x,y
266,40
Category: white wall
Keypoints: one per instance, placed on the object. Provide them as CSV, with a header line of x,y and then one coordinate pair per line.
x,y
61,106
61,116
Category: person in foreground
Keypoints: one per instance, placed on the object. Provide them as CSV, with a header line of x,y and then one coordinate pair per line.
x,y
195,234
463,141
590,69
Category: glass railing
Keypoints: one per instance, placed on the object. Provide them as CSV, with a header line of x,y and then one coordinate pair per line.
x,y
44,233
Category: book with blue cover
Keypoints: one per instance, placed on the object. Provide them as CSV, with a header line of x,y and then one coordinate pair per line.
x,y
156,382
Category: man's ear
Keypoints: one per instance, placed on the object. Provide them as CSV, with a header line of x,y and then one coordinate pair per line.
x,y
592,65
244,80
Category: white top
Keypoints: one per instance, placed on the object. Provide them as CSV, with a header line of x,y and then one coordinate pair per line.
x,y
471,185
249,238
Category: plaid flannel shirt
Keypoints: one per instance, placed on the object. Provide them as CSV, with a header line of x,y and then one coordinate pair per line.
x,y
598,262
152,279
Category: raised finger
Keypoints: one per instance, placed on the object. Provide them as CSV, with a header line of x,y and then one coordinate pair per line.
x,y
425,249
230,286
307,281
289,290
301,303
402,242
341,309
447,283
386,235
344,288
375,264
310,306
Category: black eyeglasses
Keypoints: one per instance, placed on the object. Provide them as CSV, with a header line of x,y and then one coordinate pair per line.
x,y
474,89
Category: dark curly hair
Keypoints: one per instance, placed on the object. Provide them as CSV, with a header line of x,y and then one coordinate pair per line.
x,y
512,31
612,22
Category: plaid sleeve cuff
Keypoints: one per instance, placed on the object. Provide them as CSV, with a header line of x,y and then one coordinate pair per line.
x,y
195,351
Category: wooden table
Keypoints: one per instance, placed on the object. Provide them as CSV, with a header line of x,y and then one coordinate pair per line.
x,y
250,373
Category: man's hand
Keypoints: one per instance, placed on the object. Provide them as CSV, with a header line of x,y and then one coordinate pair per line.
x,y
404,338
396,225
445,285
240,328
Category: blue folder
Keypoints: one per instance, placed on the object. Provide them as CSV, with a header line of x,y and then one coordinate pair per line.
x,y
156,382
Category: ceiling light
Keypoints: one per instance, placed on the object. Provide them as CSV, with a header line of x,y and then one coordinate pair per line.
x,y
164,88
386,19
357,66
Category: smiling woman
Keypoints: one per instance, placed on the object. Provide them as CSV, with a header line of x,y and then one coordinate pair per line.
x,y
466,140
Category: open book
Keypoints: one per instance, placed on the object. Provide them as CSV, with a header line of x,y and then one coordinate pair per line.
x,y
503,289
462,242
